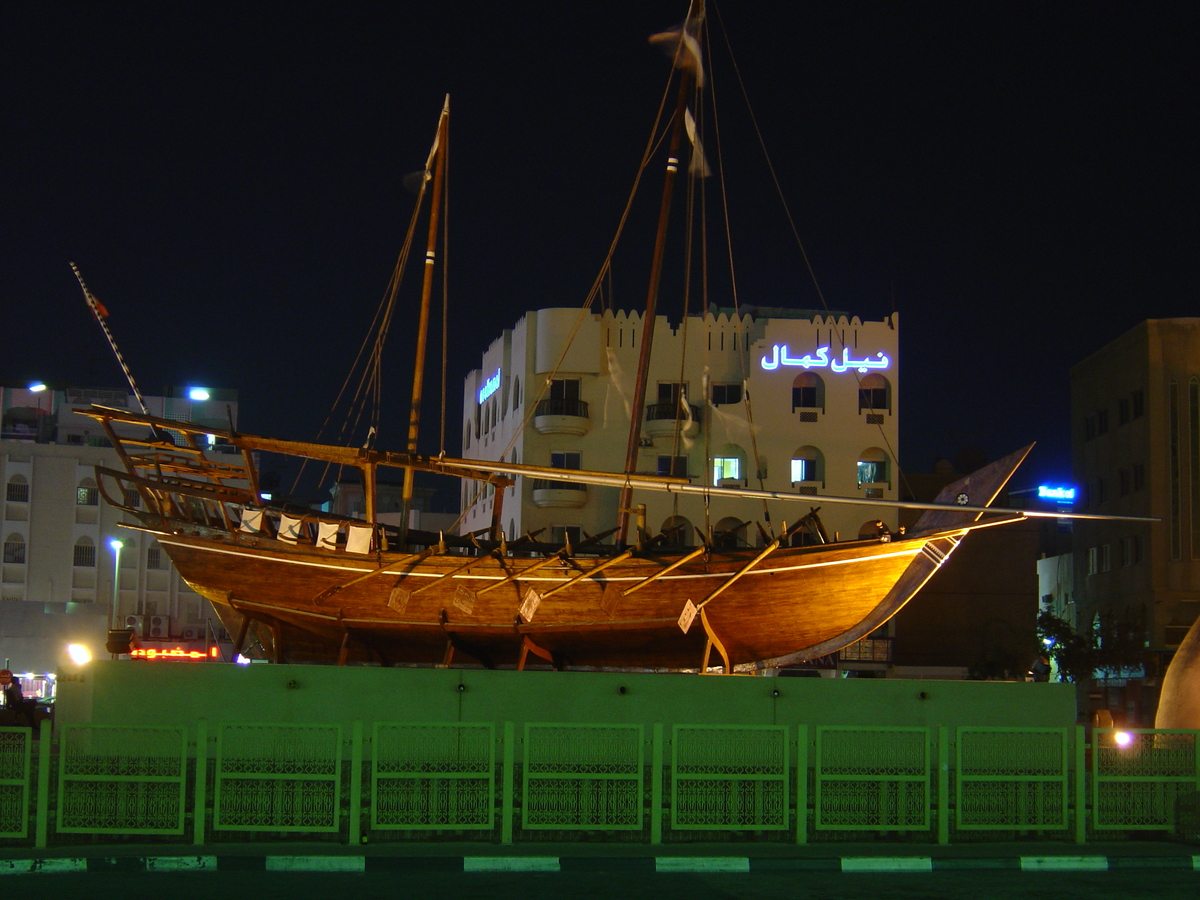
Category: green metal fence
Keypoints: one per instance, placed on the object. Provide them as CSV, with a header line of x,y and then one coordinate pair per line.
x,y
121,780
493,781
15,759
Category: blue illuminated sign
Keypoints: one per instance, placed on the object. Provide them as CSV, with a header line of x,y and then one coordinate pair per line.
x,y
780,357
1061,494
490,386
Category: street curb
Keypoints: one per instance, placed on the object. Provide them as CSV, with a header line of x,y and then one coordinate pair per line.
x,y
667,865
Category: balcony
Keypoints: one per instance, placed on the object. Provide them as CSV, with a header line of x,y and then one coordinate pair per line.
x,y
561,416
550,494
662,419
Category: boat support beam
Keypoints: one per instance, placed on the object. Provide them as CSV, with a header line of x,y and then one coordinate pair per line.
x,y
713,641
454,643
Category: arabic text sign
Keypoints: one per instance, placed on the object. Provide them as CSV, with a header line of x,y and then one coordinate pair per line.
x,y
779,356
490,386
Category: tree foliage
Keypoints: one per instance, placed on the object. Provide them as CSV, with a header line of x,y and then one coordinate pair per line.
x,y
1116,644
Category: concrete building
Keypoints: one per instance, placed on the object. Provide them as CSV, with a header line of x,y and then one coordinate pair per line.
x,y
1136,452
59,560
556,390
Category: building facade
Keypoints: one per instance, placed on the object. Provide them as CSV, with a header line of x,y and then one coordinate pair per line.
x,y
772,399
64,579
1136,452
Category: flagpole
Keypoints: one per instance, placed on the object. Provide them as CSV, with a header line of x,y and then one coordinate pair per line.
x,y
101,313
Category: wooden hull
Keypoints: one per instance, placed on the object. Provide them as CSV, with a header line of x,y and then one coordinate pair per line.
x,y
314,598
794,600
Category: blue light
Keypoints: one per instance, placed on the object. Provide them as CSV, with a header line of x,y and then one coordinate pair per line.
x,y
37,387
1061,494
198,393
490,386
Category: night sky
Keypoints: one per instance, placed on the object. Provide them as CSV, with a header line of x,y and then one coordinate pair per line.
x,y
1017,180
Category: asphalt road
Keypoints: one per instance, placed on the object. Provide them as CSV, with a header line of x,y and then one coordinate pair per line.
x,y
991,884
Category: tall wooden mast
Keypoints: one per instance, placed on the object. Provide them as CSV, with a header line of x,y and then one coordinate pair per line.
x,y
437,158
638,406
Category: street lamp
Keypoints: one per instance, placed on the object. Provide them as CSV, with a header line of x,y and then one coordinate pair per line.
x,y
116,544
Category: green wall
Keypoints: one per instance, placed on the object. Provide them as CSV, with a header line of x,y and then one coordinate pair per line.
x,y
126,692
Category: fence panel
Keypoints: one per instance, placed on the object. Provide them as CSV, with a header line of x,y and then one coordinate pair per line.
x,y
872,779
278,778
583,777
1012,779
16,760
729,777
121,779
433,776
1140,776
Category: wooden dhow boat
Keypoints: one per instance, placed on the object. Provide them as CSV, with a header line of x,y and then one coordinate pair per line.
x,y
296,584
313,586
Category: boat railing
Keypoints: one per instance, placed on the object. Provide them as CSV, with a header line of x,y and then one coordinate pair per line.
x,y
561,406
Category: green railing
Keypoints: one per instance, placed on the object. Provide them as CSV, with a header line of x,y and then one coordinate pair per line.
x,y
497,782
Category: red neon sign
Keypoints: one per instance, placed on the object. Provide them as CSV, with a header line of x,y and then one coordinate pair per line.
x,y
175,653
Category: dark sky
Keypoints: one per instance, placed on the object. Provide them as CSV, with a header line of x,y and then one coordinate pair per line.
x,y
1018,180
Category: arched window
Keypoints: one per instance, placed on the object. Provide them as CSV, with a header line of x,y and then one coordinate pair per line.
x,y
17,490
808,395
871,529
730,533
678,531
874,394
14,550
86,494
808,465
85,553
872,467
516,392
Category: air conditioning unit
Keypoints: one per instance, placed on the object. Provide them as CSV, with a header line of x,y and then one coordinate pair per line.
x,y
158,626
137,623
193,633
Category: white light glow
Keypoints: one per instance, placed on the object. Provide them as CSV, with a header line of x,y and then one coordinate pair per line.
x,y
198,393
79,654
116,543
1123,738
37,387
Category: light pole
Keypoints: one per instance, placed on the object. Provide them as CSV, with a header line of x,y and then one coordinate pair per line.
x,y
116,544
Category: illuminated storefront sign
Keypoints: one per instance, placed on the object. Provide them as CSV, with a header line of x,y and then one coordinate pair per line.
x,y
490,386
780,357
1061,494
177,654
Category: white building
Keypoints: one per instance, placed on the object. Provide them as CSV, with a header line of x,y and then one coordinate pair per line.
x,y
821,393
59,561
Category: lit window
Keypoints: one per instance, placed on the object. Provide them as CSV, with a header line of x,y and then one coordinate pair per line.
x,y
87,496
726,467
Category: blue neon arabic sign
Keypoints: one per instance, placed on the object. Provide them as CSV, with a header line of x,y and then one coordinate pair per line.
x,y
780,357
490,386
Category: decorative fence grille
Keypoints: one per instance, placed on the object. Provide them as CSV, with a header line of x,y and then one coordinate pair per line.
x,y
122,779
15,758
433,776
583,777
1139,785
1011,779
278,778
729,777
873,779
